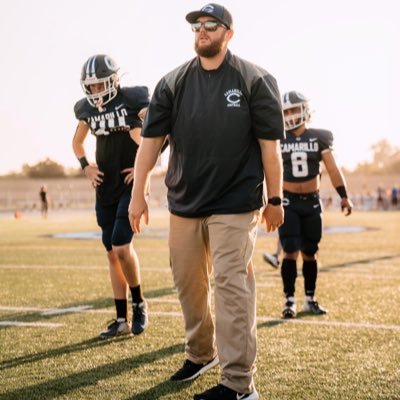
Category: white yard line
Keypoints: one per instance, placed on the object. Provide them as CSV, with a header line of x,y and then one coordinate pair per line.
x,y
31,324
261,319
331,323
78,267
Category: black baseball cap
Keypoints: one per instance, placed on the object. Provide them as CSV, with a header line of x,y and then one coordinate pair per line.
x,y
212,10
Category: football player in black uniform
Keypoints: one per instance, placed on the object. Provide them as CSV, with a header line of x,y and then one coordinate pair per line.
x,y
224,120
112,114
302,152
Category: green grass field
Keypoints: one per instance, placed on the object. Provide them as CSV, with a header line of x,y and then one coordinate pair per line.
x,y
45,353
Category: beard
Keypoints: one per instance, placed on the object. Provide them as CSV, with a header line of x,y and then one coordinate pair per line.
x,y
210,50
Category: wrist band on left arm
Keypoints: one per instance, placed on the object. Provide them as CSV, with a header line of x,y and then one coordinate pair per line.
x,y
341,191
84,162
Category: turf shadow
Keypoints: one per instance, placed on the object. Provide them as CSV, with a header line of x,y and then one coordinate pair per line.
x,y
362,261
278,321
159,292
48,354
162,389
63,385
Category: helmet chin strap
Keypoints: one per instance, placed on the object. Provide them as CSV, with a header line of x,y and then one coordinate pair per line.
x,y
99,104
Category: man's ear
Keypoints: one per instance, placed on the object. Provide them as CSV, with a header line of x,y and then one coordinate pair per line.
x,y
229,34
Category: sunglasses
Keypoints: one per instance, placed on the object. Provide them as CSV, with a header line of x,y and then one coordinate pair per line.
x,y
209,26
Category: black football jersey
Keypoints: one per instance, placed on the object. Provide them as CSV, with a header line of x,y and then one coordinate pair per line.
x,y
302,154
115,149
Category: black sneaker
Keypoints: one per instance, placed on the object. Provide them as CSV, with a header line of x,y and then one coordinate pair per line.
x,y
271,259
314,308
290,310
190,370
221,392
139,317
116,328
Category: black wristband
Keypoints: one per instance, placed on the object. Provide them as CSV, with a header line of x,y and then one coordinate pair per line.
x,y
84,162
341,191
275,201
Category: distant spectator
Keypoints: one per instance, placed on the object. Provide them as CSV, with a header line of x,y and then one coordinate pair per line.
x,y
44,201
395,197
380,198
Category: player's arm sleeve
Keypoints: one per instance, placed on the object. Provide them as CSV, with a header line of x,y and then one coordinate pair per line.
x,y
158,118
266,109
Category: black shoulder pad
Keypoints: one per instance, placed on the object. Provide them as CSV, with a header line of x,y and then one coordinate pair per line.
x,y
136,97
82,109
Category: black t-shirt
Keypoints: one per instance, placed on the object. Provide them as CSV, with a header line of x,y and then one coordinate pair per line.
x,y
214,119
302,154
115,149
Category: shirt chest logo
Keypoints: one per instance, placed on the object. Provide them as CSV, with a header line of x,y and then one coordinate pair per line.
x,y
233,97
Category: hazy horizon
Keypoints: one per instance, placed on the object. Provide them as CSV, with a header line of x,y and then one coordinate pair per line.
x,y
343,55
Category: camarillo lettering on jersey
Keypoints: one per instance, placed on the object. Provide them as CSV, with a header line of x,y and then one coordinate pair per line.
x,y
295,147
110,115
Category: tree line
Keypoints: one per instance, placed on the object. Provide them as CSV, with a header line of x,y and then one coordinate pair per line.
x,y
385,160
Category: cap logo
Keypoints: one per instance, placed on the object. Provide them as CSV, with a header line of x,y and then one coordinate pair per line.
x,y
209,8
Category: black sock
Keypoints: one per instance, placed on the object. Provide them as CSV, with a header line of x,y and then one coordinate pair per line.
x,y
310,272
137,295
289,275
122,308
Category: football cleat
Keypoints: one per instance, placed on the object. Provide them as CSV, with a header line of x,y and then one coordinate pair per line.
x,y
314,308
290,310
221,392
140,318
271,259
190,370
116,328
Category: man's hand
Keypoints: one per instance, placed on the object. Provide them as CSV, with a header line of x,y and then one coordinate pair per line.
x,y
129,175
346,205
138,208
273,217
142,113
95,176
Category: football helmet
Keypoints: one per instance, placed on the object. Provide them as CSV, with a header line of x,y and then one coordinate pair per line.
x,y
291,100
103,69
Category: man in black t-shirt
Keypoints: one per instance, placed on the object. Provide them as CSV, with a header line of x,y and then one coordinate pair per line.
x,y
111,113
224,120
303,149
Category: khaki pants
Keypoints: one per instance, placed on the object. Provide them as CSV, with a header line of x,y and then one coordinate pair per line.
x,y
226,243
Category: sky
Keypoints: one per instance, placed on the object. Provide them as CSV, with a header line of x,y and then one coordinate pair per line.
x,y
344,55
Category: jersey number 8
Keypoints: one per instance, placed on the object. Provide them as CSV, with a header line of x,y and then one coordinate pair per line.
x,y
299,164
